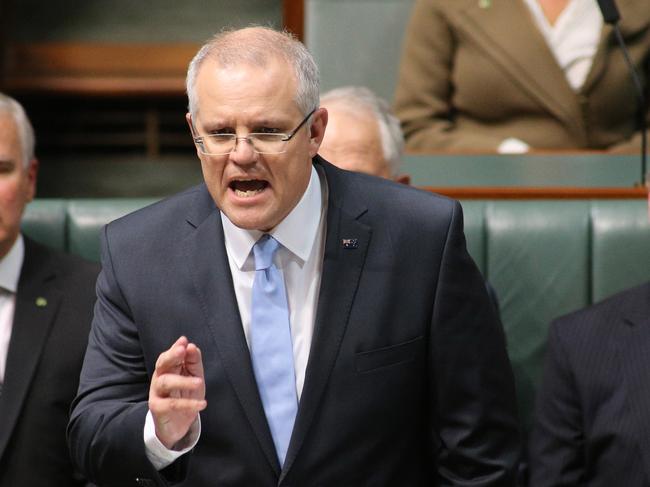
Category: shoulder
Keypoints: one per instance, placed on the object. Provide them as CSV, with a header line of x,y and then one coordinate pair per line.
x,y
598,321
174,208
63,265
384,196
403,205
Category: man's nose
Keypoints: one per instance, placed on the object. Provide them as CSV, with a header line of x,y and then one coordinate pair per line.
x,y
243,152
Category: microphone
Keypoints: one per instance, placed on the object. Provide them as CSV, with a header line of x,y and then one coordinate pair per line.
x,y
609,11
611,16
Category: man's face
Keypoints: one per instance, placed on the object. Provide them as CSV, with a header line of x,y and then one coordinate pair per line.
x,y
17,183
352,142
255,191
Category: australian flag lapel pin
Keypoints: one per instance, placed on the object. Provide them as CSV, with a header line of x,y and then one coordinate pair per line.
x,y
350,243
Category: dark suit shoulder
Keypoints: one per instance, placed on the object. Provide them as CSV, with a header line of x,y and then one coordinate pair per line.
x,y
178,207
40,258
580,330
612,308
391,200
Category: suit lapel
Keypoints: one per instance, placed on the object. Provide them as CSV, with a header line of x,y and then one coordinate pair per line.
x,y
37,301
635,361
342,269
206,253
508,35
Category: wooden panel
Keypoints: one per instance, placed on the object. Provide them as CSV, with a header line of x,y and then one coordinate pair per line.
x,y
91,59
96,69
293,17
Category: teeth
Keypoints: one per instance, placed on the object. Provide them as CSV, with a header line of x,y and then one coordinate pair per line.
x,y
247,194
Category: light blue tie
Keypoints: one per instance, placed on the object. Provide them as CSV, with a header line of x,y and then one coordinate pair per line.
x,y
271,349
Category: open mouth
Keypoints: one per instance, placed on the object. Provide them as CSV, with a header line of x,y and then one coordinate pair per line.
x,y
249,187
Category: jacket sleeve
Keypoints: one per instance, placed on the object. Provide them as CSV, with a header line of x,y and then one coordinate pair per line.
x,y
557,440
476,430
106,428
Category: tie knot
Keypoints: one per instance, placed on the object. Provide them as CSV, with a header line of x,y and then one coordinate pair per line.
x,y
264,250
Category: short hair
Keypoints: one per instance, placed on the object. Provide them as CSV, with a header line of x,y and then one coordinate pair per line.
x,y
356,99
25,130
256,45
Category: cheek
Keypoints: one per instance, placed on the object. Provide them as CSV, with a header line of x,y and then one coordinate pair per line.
x,y
12,200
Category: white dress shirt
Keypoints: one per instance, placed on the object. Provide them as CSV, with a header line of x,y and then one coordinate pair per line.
x,y
300,259
10,266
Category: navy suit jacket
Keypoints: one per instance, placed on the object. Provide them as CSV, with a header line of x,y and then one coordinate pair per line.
x,y
592,424
408,382
54,303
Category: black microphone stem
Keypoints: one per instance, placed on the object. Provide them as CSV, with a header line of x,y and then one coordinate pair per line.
x,y
641,102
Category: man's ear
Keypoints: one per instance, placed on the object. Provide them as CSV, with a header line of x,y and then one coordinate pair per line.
x,y
190,123
317,130
32,176
188,119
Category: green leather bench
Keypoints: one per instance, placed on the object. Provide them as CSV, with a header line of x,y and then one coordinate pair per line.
x,y
544,258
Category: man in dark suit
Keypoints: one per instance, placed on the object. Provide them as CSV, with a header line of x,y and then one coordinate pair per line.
x,y
392,368
592,422
46,301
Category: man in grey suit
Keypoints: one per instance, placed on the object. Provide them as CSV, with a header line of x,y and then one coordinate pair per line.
x,y
46,301
393,369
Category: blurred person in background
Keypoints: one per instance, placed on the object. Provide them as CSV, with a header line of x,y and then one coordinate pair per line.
x,y
362,134
516,76
46,301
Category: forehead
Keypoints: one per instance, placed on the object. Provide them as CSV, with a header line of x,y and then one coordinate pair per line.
x,y
9,138
246,89
349,127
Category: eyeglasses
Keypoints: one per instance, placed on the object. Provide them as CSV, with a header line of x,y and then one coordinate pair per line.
x,y
262,143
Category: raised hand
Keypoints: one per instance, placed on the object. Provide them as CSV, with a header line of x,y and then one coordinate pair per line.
x,y
177,391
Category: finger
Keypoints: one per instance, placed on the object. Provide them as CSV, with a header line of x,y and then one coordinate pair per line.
x,y
163,408
173,358
173,384
194,360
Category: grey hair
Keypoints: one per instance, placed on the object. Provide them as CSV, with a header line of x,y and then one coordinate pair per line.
x,y
256,45
356,99
25,130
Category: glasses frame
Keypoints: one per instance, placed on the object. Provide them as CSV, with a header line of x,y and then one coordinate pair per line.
x,y
198,139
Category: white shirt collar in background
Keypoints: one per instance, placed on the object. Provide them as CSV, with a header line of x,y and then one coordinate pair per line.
x,y
10,266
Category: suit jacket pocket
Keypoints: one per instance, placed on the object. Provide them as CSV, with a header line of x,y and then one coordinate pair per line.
x,y
386,356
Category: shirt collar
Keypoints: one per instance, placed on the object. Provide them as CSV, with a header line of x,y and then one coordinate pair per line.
x,y
11,264
297,232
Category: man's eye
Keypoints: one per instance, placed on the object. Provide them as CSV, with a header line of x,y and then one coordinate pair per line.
x,y
222,131
267,130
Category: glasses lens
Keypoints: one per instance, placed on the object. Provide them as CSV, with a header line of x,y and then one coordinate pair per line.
x,y
218,144
268,143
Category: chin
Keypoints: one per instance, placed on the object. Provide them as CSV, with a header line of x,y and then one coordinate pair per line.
x,y
251,222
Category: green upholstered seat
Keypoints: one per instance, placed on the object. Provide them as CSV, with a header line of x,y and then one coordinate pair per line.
x,y
538,262
45,221
86,217
621,246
